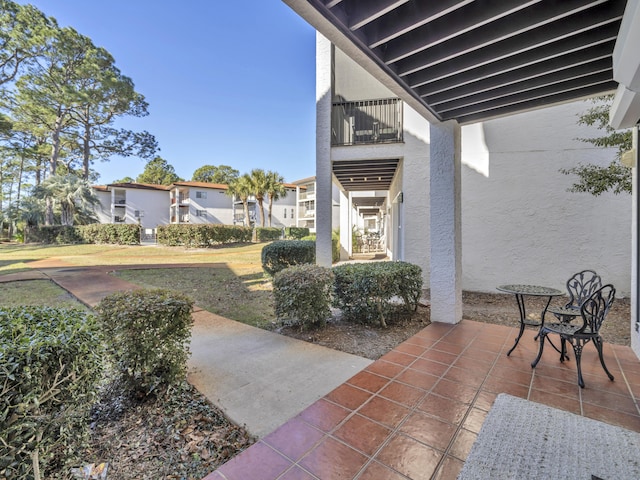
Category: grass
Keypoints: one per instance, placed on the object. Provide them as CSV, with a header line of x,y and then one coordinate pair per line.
x,y
16,257
240,294
232,285
36,293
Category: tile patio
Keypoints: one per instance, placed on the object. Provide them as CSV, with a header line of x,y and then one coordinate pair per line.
x,y
415,413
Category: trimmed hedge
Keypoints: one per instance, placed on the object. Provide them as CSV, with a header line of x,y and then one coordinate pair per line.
x,y
50,364
119,234
303,293
286,253
268,234
56,234
205,235
335,244
363,291
111,233
149,333
296,233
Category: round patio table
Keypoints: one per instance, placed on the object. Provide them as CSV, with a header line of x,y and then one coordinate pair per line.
x,y
520,291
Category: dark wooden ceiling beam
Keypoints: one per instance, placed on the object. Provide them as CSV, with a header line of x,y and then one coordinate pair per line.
x,y
531,78
590,44
505,38
551,97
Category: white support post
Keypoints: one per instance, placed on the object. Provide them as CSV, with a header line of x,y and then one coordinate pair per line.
x,y
635,251
324,208
445,228
345,225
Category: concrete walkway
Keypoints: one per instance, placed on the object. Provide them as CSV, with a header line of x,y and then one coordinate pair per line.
x,y
258,378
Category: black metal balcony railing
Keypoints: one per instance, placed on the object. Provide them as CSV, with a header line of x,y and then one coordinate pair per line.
x,y
366,121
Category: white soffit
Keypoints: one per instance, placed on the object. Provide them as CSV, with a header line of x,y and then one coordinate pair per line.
x,y
625,111
626,53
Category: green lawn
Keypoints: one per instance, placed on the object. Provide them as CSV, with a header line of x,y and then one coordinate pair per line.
x,y
36,292
234,287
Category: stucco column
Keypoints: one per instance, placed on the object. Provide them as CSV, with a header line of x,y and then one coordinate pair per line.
x,y
345,225
323,151
445,228
635,252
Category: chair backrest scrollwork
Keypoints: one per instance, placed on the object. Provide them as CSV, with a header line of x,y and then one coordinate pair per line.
x,y
581,286
594,309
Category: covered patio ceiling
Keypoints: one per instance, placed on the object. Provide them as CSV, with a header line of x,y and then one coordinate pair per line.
x,y
470,61
365,175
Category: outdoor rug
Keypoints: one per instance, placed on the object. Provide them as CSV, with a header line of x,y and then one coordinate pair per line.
x,y
520,440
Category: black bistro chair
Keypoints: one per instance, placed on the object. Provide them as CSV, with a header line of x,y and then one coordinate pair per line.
x,y
593,312
580,287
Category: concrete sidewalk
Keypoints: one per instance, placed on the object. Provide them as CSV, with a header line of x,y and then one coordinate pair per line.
x,y
258,378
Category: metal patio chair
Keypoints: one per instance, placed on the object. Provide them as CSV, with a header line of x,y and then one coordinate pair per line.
x,y
580,287
593,312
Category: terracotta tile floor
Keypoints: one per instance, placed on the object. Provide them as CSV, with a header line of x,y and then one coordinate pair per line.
x,y
415,413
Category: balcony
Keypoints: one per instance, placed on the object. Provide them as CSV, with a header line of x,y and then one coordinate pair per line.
x,y
366,122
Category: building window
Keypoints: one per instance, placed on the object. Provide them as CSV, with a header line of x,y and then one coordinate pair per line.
x,y
201,213
201,194
292,213
285,213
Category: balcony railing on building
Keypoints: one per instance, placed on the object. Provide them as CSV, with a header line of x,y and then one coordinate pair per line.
x,y
366,122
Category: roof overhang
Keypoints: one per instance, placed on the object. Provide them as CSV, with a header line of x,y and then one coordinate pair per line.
x,y
625,111
470,61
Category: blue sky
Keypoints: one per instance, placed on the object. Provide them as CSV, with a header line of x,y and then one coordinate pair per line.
x,y
228,83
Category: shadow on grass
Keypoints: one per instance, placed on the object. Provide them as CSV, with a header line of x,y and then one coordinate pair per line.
x,y
244,297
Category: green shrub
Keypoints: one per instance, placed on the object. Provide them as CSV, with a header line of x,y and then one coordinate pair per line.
x,y
335,244
148,332
296,233
303,293
55,234
286,253
50,366
205,235
268,234
364,291
110,233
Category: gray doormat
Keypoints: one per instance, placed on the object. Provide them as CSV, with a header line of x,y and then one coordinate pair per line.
x,y
520,440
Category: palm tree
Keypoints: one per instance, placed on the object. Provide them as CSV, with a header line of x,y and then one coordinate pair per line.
x,y
275,189
71,193
259,185
241,188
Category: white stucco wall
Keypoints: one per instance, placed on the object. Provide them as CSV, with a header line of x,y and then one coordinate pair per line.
x,y
217,206
103,209
519,223
154,204
287,203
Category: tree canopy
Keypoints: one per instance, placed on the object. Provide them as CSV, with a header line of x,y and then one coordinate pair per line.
x,y
223,174
615,177
158,171
61,97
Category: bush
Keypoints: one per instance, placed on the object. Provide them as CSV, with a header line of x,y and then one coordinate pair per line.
x,y
296,233
119,234
268,234
110,233
56,234
303,293
205,235
364,290
286,253
148,332
50,365
335,244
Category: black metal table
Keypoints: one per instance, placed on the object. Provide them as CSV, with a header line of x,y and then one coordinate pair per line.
x,y
520,291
